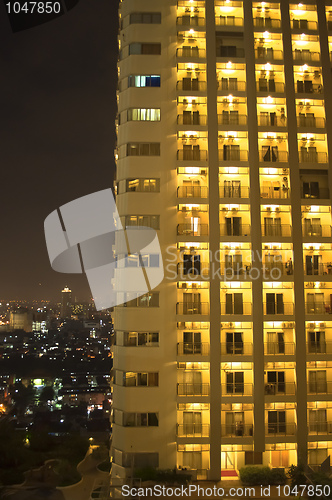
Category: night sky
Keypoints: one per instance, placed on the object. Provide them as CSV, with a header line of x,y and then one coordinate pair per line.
x,y
57,110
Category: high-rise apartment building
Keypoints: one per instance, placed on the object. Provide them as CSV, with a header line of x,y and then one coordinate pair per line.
x,y
66,305
224,146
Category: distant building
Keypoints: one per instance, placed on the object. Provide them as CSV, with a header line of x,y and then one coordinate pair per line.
x,y
21,319
66,306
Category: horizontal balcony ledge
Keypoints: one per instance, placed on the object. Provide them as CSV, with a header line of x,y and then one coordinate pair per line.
x,y
188,389
237,430
193,430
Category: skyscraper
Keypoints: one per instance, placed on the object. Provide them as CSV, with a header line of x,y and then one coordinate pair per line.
x,y
224,140
66,303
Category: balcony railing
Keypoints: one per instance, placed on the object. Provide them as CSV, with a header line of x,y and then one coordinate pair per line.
x,y
192,192
308,87
268,53
278,348
193,430
273,155
270,86
234,191
238,429
280,428
231,84
193,229
279,309
193,348
272,121
320,428
192,308
321,347
316,231
321,194
236,348
282,388
193,85
236,389
233,155
275,192
199,270
193,389
318,308
306,56
319,387
312,157
235,270
284,230
229,21
192,155
230,51
267,22
191,52
275,270
317,269
229,230
311,122
190,21
232,119
234,309
303,24
192,119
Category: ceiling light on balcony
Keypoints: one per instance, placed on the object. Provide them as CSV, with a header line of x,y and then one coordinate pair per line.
x,y
269,100
229,65
266,34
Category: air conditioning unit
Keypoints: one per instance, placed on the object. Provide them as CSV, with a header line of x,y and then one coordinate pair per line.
x,y
183,285
322,325
311,248
311,325
203,171
266,247
194,285
285,170
184,209
185,101
268,209
277,209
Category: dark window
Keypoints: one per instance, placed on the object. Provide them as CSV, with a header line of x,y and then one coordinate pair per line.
x,y
145,18
145,48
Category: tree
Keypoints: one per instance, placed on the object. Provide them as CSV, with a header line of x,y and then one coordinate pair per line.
x,y
47,394
21,395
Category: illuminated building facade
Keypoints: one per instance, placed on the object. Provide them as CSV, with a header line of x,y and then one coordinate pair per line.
x,y
66,305
224,140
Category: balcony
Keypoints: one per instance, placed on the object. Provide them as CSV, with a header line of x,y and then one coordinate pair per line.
x,y
232,118
191,85
312,157
194,154
198,269
229,21
308,87
237,389
316,231
190,21
193,349
319,387
303,24
275,270
231,84
193,229
188,389
318,308
234,230
191,52
268,53
272,154
319,193
192,308
192,119
310,122
264,85
235,270
227,154
319,347
280,428
243,308
192,192
267,22
306,56
275,192
279,348
319,428
318,269
236,348
230,51
193,430
233,191
279,308
271,230
237,430
280,388
272,120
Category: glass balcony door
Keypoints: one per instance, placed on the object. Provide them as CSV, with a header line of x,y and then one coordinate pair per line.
x,y
313,264
317,420
191,303
235,383
233,265
276,422
234,342
234,303
192,422
315,303
275,343
274,303
193,382
316,342
317,381
192,343
235,423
